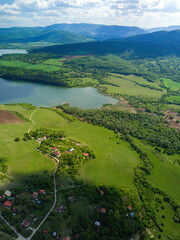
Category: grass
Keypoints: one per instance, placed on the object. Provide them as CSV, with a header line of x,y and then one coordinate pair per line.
x,y
124,86
55,62
19,64
170,228
171,84
23,158
174,98
114,162
165,174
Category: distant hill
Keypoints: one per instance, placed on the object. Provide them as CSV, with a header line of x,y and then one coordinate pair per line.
x,y
169,28
97,31
172,37
39,34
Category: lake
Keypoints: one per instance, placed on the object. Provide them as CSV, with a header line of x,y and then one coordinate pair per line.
x,y
10,51
48,96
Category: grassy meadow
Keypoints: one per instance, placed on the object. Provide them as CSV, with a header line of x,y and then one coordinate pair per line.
x,y
19,64
171,84
123,85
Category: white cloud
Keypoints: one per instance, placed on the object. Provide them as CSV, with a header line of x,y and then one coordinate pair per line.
x,y
121,12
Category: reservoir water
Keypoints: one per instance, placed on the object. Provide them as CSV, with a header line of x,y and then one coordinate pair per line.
x,y
48,96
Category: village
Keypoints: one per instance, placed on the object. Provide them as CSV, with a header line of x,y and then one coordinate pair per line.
x,y
29,209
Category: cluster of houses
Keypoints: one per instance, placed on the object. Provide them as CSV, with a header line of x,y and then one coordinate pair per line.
x,y
131,214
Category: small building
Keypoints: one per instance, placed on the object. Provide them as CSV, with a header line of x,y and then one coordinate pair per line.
x,y
60,209
129,208
44,138
97,223
56,153
54,148
7,204
25,224
71,149
38,202
132,215
67,238
101,192
71,199
54,234
86,154
7,193
42,191
103,210
35,194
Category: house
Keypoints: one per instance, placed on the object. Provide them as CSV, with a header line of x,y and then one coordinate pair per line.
x,y
35,194
129,208
38,202
56,153
71,199
42,191
132,215
7,193
2,197
54,234
103,210
71,149
60,209
101,192
7,204
54,148
44,138
86,154
67,238
25,224
97,223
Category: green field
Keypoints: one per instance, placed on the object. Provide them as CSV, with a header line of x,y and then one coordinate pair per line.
x,y
124,86
19,64
165,174
171,84
55,62
174,98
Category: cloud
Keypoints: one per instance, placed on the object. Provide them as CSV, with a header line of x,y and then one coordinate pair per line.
x,y
120,12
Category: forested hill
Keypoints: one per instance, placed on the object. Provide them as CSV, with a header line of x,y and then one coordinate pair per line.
x,y
172,37
39,34
97,31
128,49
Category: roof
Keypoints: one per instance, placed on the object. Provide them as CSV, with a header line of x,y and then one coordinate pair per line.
x,y
42,191
97,223
129,207
71,149
56,152
54,148
26,223
7,193
86,154
67,238
103,210
7,204
35,194
101,192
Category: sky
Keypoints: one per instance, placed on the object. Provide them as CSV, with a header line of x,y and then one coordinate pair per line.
x,y
141,13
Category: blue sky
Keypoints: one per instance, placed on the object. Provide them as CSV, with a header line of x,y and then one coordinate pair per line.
x,y
142,13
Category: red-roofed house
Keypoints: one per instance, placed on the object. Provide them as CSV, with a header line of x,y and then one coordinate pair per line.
x,y
54,148
26,224
42,192
86,154
35,194
67,238
7,204
129,208
103,210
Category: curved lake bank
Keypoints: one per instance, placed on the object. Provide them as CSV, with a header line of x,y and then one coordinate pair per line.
x,y
11,51
48,96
